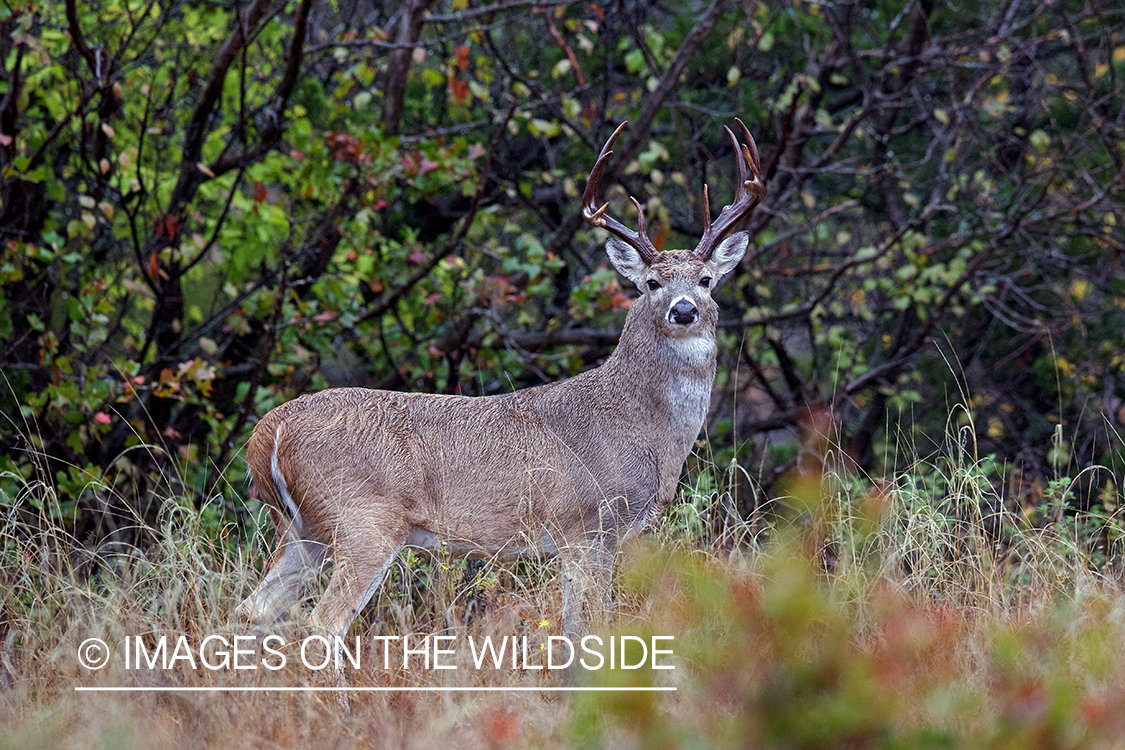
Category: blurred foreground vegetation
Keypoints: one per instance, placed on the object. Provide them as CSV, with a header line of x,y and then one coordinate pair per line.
x,y
867,614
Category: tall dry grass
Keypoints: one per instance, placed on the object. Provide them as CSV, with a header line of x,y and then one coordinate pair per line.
x,y
918,610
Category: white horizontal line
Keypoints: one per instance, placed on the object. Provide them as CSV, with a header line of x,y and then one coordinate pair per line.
x,y
391,689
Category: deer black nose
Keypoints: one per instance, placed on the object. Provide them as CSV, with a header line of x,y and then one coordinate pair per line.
x,y
683,312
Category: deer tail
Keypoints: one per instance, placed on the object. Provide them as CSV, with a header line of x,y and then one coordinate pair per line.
x,y
267,481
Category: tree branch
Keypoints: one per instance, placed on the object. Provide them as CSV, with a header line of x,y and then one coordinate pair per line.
x,y
392,299
641,126
409,27
269,137
195,133
79,41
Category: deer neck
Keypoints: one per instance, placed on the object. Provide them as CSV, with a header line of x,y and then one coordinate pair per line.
x,y
668,379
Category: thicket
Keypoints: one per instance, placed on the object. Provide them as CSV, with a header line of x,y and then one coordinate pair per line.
x,y
209,208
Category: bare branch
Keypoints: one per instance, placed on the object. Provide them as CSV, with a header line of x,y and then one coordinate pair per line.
x,y
79,41
642,125
195,133
270,137
409,27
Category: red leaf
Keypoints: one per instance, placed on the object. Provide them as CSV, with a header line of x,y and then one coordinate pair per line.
x,y
344,146
458,89
462,55
153,268
259,192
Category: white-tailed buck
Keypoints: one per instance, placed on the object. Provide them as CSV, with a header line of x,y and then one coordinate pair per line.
x,y
568,468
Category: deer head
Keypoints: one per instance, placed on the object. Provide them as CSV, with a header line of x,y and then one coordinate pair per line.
x,y
677,284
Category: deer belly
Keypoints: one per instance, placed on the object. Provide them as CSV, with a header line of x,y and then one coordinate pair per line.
x,y
510,550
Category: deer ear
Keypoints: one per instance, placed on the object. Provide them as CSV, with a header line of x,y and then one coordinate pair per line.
x,y
728,254
627,260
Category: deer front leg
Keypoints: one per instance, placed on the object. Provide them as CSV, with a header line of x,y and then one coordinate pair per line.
x,y
587,576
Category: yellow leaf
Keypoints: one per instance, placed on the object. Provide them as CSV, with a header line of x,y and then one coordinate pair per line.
x,y
995,428
1079,288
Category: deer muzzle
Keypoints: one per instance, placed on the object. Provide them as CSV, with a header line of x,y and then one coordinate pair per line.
x,y
683,312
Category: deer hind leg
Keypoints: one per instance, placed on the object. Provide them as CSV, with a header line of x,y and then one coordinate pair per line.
x,y
362,554
297,561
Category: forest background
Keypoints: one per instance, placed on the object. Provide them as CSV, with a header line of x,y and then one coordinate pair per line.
x,y
211,208
902,526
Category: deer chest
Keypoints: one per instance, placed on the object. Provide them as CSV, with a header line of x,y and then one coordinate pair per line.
x,y
688,401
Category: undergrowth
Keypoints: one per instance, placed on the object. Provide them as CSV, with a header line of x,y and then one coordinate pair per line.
x,y
919,610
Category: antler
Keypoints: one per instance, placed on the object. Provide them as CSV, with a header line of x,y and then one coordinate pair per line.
x,y
597,216
744,201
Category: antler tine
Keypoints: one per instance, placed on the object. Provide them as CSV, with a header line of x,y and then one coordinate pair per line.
x,y
750,148
598,217
590,210
740,163
747,194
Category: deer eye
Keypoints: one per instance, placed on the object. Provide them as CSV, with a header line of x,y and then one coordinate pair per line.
x,y
653,284
705,282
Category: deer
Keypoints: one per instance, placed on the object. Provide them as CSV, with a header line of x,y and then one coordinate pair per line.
x,y
568,469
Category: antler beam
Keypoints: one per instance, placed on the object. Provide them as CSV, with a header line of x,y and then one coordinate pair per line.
x,y
748,194
598,217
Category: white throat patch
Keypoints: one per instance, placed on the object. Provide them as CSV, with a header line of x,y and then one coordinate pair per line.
x,y
693,350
